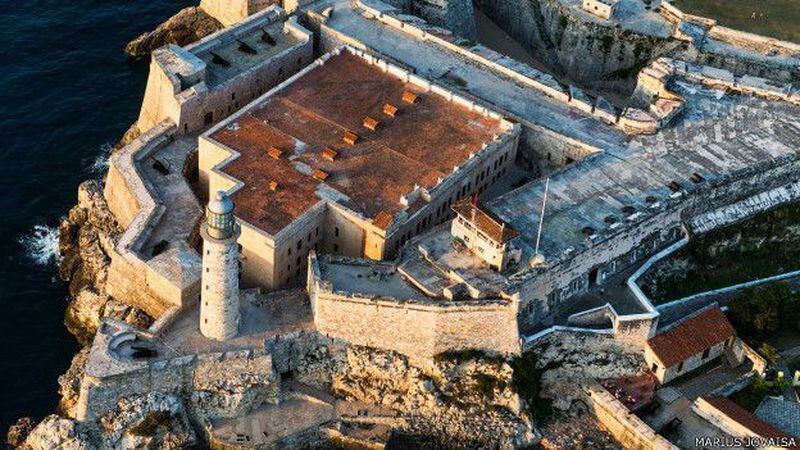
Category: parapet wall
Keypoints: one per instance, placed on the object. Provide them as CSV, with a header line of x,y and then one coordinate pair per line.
x,y
178,86
206,377
150,283
415,328
628,429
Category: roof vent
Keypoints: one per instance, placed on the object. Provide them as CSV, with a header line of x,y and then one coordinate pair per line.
x,y
275,152
651,199
696,178
610,219
350,138
390,110
370,123
628,210
588,231
674,186
320,175
329,153
410,97
273,185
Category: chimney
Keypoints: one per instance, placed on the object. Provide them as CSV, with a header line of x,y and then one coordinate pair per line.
x,y
370,123
273,185
350,138
320,175
275,152
329,153
410,97
390,110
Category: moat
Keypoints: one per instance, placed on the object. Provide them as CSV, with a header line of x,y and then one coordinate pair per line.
x,y
74,92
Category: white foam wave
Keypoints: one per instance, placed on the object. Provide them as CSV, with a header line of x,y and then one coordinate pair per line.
x,y
41,245
100,163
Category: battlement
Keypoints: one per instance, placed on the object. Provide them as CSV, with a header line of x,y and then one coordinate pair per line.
x,y
204,82
370,303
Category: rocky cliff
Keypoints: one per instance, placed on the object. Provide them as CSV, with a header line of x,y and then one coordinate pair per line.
x,y
593,54
458,400
187,26
86,239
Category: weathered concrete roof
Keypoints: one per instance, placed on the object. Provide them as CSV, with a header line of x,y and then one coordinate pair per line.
x,y
717,136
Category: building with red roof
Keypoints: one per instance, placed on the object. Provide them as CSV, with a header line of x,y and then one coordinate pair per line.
x,y
688,344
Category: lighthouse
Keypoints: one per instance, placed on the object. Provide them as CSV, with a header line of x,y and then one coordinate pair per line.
x,y
219,298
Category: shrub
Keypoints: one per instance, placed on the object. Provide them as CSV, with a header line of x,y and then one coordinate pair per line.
x,y
148,426
527,381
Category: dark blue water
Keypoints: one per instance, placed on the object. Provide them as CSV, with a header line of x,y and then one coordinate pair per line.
x,y
67,91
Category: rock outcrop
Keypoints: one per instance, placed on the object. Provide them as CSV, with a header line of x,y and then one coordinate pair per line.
x,y
187,26
153,421
18,432
459,400
86,239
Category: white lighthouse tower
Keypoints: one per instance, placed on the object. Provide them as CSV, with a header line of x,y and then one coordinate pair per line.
x,y
219,299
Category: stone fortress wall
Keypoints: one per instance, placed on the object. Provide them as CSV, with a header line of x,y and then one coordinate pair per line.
x,y
180,87
172,278
110,376
152,283
413,327
229,12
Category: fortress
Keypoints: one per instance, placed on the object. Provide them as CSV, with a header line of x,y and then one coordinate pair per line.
x,y
382,180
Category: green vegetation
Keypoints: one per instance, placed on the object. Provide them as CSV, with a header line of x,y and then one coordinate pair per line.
x,y
487,384
765,245
758,313
750,397
677,381
776,18
794,366
462,356
527,381
149,425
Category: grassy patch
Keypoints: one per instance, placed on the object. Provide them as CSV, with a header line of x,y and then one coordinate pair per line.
x,y
527,381
750,397
149,425
775,18
462,356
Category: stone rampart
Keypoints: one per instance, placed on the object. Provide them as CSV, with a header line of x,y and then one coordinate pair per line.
x,y
634,121
226,384
179,86
229,12
628,429
414,327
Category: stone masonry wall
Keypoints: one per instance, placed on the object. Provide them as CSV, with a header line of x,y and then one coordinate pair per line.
x,y
221,384
414,328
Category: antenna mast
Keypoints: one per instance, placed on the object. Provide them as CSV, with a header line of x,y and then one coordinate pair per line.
x,y
541,216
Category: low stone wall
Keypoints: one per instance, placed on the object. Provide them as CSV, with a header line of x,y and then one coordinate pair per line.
x,y
629,430
414,328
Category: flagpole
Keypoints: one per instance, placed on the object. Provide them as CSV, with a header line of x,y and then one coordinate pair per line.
x,y
541,216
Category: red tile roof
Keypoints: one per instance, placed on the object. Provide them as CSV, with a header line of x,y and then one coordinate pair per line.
x,y
491,225
692,336
746,419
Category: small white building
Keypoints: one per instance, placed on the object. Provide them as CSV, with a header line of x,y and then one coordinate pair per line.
x,y
688,344
484,234
601,8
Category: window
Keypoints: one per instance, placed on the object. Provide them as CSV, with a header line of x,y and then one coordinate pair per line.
x,y
299,244
298,260
336,232
680,367
705,353
209,117
335,248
